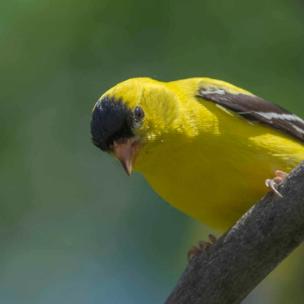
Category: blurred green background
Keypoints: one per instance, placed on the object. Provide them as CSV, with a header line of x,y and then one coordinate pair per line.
x,y
73,227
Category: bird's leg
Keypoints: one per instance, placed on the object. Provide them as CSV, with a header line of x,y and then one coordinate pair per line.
x,y
279,177
202,246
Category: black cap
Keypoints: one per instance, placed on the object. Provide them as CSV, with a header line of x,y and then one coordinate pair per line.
x,y
111,120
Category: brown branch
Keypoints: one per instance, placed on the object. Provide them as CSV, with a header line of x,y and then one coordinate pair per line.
x,y
229,270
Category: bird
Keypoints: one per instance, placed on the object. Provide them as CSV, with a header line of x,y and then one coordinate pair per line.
x,y
207,147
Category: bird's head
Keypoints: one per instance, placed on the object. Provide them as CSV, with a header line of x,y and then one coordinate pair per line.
x,y
130,116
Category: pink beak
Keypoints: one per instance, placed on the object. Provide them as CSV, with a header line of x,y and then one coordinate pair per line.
x,y
125,151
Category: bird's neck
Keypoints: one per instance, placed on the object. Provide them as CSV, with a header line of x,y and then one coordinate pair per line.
x,y
191,120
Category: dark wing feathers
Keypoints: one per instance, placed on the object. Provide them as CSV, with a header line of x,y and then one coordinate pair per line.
x,y
256,109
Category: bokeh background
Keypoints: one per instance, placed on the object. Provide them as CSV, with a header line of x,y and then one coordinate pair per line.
x,y
73,227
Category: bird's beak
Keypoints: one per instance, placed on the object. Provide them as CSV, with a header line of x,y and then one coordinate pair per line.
x,y
125,150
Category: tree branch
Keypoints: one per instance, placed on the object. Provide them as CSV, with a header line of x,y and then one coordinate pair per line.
x,y
249,251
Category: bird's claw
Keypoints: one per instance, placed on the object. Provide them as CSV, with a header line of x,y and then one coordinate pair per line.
x,y
202,246
273,184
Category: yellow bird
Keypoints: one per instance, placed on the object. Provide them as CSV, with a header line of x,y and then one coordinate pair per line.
x,y
204,145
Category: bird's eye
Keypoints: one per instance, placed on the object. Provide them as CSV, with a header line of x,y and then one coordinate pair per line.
x,y
138,114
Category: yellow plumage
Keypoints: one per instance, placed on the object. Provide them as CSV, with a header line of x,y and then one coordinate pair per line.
x,y
205,160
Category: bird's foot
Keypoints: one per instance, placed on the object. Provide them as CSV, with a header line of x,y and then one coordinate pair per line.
x,y
201,246
278,179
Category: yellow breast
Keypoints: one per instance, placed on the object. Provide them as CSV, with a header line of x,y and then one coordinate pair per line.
x,y
214,168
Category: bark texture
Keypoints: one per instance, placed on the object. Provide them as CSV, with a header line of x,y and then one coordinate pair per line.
x,y
229,270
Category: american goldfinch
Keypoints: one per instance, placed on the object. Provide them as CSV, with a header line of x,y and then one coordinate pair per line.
x,y
204,145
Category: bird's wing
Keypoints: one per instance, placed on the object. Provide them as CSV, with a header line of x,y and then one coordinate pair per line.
x,y
256,109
